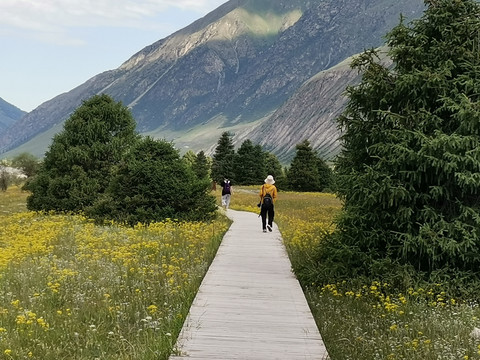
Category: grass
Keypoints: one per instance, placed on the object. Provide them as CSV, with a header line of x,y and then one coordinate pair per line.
x,y
371,320
12,201
73,290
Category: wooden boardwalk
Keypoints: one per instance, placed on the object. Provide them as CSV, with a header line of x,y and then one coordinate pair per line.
x,y
250,305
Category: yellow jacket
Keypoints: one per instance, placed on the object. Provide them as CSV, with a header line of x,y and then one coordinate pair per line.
x,y
268,189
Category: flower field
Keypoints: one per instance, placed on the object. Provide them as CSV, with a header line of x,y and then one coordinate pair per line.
x,y
372,320
74,290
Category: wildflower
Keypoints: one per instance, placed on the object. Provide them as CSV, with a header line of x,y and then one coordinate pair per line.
x,y
8,352
41,321
21,319
152,309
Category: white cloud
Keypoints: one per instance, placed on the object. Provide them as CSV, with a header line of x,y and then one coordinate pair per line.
x,y
50,20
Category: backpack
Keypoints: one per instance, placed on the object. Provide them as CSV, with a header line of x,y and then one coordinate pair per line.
x,y
226,187
267,200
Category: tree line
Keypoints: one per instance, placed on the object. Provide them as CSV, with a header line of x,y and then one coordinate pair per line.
x,y
250,164
100,166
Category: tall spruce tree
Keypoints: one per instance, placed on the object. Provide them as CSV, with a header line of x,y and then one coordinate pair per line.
x,y
77,167
303,174
409,172
274,168
249,164
223,158
201,166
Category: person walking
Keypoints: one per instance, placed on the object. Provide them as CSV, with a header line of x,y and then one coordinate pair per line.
x,y
227,192
268,196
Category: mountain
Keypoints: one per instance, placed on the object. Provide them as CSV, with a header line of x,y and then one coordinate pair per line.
x,y
9,114
235,69
311,111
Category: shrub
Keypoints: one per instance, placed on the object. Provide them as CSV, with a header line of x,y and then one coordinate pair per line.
x,y
154,184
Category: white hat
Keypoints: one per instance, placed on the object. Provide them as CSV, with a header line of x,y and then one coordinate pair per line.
x,y
269,180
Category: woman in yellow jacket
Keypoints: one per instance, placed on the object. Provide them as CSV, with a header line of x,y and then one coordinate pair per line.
x,y
268,196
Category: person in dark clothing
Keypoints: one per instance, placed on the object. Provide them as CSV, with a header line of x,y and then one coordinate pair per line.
x,y
227,192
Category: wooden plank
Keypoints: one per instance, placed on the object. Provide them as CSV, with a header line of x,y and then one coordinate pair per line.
x,y
250,305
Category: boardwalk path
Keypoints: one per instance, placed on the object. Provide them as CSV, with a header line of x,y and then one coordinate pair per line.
x,y
250,306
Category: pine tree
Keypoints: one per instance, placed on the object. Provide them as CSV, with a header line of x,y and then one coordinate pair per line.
x,y
303,174
153,184
274,168
326,176
223,158
409,172
249,164
201,166
78,165
189,157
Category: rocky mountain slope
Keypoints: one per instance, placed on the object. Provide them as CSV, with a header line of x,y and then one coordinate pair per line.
x,y
233,70
9,114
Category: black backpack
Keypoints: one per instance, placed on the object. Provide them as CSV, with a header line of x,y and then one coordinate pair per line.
x,y
226,187
267,200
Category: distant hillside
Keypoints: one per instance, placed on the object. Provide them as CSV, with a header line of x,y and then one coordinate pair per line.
x,y
311,112
9,114
235,69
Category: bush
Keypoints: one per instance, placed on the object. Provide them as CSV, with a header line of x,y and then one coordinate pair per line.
x,y
154,184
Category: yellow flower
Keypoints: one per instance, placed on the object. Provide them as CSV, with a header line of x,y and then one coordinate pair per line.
x,y
7,351
152,309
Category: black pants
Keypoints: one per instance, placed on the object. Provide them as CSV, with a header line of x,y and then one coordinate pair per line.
x,y
264,211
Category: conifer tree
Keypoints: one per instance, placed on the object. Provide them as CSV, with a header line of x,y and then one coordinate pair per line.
x,y
303,174
153,184
249,164
274,168
223,158
409,172
189,157
77,167
201,166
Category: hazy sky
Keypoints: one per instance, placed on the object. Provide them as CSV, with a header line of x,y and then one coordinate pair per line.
x,y
48,47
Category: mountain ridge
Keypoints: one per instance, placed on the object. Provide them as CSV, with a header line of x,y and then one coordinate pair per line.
x,y
230,70
9,114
